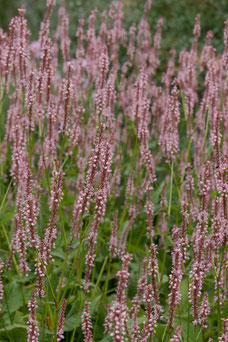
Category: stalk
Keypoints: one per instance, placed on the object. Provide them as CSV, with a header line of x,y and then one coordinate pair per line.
x,y
167,231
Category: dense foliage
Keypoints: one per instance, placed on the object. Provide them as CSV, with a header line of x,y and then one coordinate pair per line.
x,y
113,180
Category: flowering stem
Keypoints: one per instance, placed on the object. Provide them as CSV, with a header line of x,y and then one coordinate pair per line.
x,y
218,308
2,125
188,327
205,137
30,147
166,236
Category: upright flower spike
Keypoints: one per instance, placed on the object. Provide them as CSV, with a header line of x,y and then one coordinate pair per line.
x,y
29,100
216,137
91,53
205,310
103,67
100,206
225,53
20,241
56,198
67,97
116,34
150,213
18,150
117,318
45,25
196,276
149,326
175,276
218,226
184,238
33,329
30,210
131,46
167,76
44,253
1,283
44,77
208,51
60,331
23,53
63,27
10,52
190,183
144,39
87,324
113,240
139,104
122,245
154,57
169,137
135,335
152,270
40,268
199,263
177,335
196,32
84,198
224,337
52,134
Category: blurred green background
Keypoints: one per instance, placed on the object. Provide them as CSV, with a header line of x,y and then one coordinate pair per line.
x,y
179,16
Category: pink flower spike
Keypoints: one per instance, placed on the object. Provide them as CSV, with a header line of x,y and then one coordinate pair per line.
x,y
86,324
32,330
60,331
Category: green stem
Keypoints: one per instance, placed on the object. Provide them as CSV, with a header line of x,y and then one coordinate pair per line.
x,y
199,334
63,226
100,274
171,191
6,193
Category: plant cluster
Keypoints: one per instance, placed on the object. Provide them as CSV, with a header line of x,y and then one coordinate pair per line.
x,y
114,193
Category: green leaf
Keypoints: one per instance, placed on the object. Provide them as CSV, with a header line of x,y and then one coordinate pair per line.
x,y
72,322
58,252
17,332
106,339
165,279
14,297
6,217
75,244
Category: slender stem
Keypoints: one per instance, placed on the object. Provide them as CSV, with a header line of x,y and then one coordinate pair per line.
x,y
199,334
100,274
171,190
6,193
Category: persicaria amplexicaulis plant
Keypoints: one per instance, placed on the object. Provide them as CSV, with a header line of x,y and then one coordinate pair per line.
x,y
113,182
